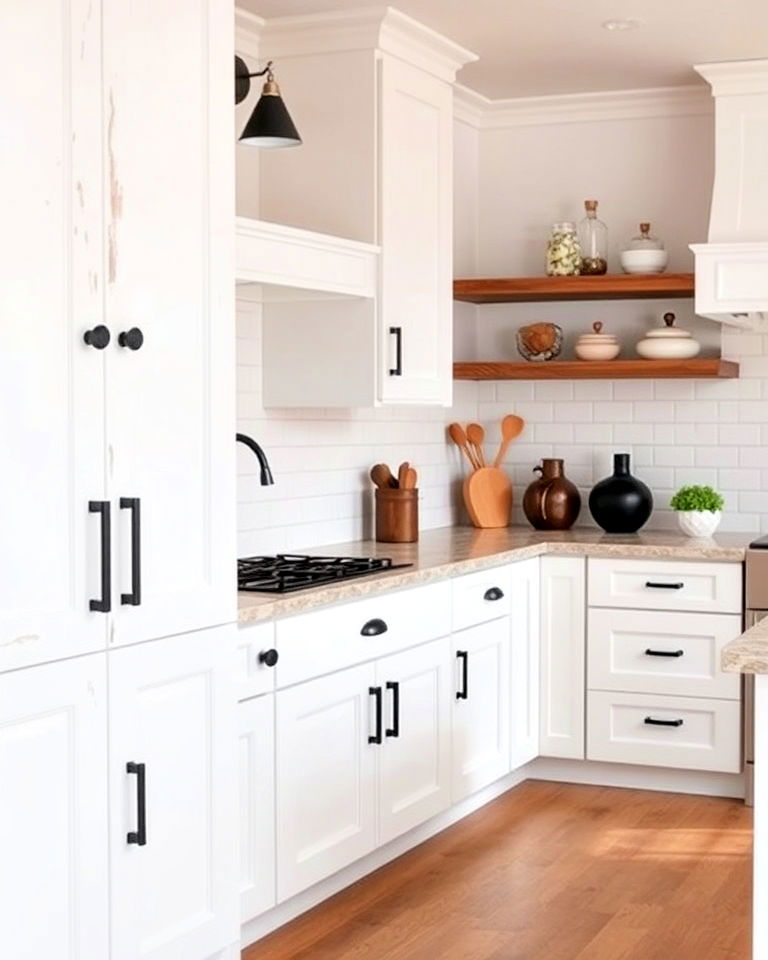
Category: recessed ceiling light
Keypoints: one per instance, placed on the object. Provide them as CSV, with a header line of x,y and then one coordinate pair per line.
x,y
631,24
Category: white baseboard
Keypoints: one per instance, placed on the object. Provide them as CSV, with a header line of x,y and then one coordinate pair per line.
x,y
664,780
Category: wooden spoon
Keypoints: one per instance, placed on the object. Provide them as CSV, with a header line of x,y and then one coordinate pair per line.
x,y
459,437
402,474
411,479
476,436
511,427
382,476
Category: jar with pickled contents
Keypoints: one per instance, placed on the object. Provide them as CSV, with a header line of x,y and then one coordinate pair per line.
x,y
563,251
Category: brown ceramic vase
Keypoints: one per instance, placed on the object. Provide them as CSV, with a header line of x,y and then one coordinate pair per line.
x,y
552,502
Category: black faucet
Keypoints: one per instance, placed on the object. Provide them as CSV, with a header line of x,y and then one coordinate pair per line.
x,y
266,473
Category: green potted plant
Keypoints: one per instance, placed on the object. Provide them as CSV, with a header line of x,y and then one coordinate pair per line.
x,y
699,510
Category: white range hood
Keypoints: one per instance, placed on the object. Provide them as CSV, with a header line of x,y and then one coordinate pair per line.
x,y
732,268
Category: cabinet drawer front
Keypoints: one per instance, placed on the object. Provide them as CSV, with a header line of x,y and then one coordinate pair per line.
x,y
647,729
668,653
482,596
320,642
665,585
256,646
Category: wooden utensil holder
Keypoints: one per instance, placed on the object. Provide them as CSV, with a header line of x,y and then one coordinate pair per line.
x,y
397,515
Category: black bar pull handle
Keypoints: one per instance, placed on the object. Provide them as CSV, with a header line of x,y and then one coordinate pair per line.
x,y
463,657
652,722
139,835
374,628
394,730
664,653
664,586
134,505
103,605
397,370
493,593
376,693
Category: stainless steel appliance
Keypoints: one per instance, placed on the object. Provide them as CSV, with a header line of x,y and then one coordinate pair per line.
x,y
756,603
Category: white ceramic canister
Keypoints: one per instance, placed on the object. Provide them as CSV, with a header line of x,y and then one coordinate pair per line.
x,y
668,342
597,345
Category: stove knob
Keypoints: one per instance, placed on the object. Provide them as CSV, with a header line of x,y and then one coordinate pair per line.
x,y
269,657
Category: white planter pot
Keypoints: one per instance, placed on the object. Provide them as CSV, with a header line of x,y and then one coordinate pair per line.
x,y
699,523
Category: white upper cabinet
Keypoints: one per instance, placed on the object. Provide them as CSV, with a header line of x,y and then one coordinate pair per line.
x,y
51,382
170,258
372,95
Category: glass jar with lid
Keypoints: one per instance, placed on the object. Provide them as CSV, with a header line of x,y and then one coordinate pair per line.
x,y
644,240
563,251
593,240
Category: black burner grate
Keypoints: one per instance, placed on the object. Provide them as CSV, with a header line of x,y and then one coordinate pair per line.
x,y
287,572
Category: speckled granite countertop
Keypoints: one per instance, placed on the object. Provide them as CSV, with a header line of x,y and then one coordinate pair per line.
x,y
749,652
451,551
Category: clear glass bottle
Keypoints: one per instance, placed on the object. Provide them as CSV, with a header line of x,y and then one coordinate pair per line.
x,y
563,251
593,239
644,240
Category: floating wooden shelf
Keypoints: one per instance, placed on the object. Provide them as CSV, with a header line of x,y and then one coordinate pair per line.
x,y
699,368
610,286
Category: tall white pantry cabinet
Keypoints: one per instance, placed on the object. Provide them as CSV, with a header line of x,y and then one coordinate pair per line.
x,y
117,435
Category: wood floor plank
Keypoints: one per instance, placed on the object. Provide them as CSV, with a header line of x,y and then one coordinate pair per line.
x,y
550,872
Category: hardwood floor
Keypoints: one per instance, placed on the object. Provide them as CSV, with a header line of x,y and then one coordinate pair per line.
x,y
550,872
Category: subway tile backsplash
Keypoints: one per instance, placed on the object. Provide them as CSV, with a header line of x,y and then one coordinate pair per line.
x,y
677,432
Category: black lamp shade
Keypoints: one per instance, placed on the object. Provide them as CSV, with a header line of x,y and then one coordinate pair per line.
x,y
270,124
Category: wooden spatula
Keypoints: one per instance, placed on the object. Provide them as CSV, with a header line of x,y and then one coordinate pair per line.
x,y
476,436
459,437
402,474
382,476
511,427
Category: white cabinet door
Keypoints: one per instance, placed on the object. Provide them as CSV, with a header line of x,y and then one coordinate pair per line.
x,y
524,662
415,756
326,777
172,709
563,630
480,707
415,305
53,812
256,720
51,382
170,260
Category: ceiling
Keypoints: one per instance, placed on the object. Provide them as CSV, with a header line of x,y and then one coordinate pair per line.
x,y
538,47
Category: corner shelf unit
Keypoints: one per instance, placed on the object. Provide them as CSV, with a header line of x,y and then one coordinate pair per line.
x,y
609,286
698,368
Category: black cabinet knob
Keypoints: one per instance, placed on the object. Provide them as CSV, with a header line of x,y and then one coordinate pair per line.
x,y
374,628
98,338
132,338
493,593
269,657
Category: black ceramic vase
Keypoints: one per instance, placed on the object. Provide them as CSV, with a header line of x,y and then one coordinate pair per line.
x,y
621,503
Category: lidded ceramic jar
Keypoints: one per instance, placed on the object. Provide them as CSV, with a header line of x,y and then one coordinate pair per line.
x,y
644,253
668,342
597,345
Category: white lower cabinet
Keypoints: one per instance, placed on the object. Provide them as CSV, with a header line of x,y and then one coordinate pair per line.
x,y
524,653
173,797
562,657
414,769
326,777
53,812
256,723
481,726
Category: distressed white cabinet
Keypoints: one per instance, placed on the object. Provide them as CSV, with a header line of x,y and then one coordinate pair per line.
x,y
172,744
51,383
326,777
53,811
563,612
524,648
481,725
384,163
256,727
170,271
414,772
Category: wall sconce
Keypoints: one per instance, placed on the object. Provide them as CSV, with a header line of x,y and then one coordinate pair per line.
x,y
270,124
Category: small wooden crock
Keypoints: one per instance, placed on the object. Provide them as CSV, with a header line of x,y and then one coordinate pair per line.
x,y
397,515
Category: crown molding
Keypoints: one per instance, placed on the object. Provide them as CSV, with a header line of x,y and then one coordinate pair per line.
x,y
248,31
372,28
486,114
736,77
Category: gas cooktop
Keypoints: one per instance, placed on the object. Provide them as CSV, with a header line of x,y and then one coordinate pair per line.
x,y
287,572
